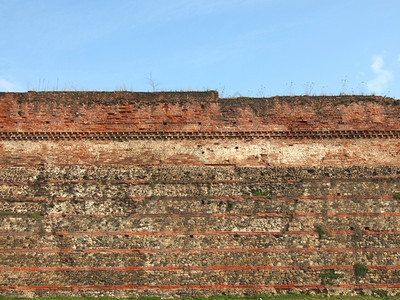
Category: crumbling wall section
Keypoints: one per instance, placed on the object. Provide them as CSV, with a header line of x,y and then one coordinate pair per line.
x,y
185,194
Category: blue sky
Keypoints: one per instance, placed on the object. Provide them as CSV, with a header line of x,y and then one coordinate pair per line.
x,y
248,47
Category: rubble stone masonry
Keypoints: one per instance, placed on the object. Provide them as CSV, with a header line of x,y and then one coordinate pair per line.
x,y
185,194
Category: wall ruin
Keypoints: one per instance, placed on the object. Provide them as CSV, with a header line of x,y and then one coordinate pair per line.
x,y
185,194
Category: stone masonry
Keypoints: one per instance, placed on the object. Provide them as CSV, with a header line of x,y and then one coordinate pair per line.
x,y
186,194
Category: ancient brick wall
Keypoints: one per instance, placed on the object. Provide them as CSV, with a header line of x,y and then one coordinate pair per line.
x,y
183,194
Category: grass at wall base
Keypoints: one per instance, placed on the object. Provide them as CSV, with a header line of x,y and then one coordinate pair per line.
x,y
230,297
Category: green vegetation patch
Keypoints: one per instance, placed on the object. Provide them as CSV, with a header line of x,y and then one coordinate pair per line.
x,y
5,213
229,206
261,194
320,231
380,293
360,269
34,215
329,276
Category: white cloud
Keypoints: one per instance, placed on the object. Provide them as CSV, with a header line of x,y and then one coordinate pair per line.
x,y
8,86
379,83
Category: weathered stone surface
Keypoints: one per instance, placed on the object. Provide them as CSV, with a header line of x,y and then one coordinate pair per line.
x,y
184,194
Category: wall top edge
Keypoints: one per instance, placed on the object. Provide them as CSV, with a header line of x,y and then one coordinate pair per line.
x,y
102,97
111,97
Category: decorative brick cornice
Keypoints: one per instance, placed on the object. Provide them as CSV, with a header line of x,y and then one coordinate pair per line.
x,y
177,135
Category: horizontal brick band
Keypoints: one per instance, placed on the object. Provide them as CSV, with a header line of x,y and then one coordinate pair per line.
x,y
225,198
194,286
189,268
133,182
220,215
176,135
175,233
233,250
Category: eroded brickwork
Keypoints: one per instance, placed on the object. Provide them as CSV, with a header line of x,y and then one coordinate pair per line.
x,y
183,194
191,112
